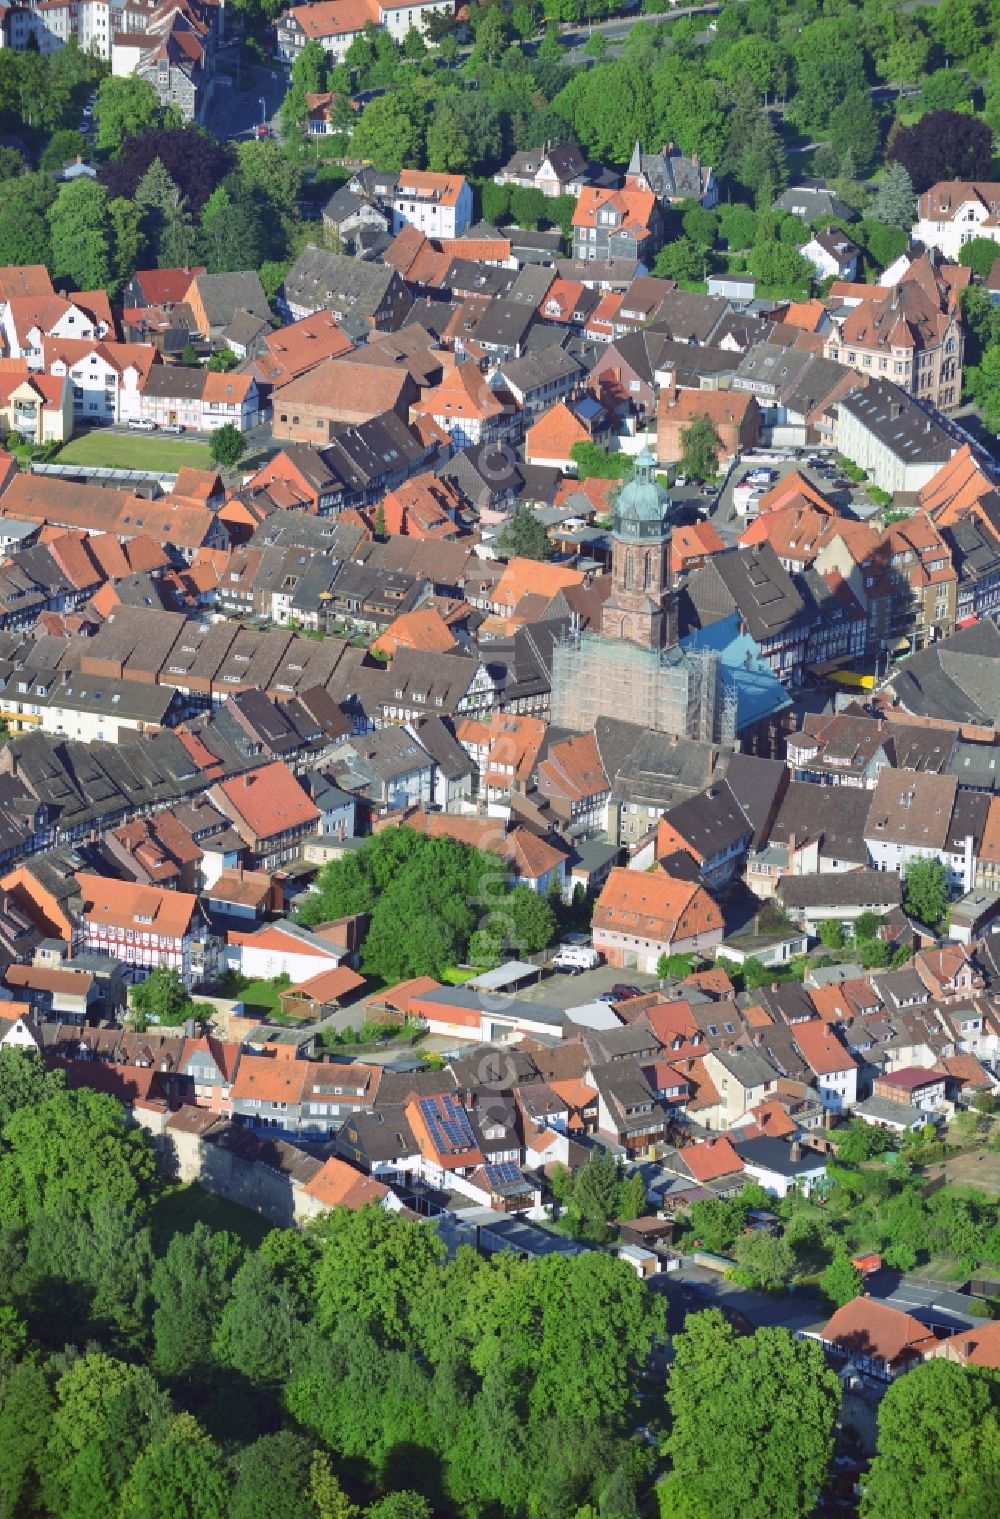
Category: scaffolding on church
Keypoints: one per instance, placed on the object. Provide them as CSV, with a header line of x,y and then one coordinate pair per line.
x,y
687,693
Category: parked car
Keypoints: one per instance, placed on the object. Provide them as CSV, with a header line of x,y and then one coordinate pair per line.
x,y
621,992
141,424
173,427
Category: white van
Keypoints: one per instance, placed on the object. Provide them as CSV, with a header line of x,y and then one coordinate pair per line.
x,y
576,957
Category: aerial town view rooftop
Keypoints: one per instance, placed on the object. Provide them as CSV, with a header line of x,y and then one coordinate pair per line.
x,y
499,759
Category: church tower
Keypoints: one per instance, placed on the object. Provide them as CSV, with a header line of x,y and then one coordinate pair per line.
x,y
640,607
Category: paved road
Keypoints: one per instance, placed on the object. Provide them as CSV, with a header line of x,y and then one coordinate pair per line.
x,y
235,108
694,1288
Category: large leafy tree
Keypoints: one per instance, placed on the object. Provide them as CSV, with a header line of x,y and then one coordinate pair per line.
x,y
372,1269
752,1422
165,221
942,145
25,1082
191,1284
70,1154
938,1426
82,236
273,1478
124,108
390,132
185,1473
194,161
24,223
925,890
701,448
524,536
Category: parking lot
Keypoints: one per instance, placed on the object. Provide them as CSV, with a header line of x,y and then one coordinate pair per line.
x,y
729,524
559,989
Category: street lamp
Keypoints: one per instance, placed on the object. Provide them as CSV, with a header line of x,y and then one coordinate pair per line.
x,y
263,112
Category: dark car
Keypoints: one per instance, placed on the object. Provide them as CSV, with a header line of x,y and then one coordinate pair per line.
x,y
620,992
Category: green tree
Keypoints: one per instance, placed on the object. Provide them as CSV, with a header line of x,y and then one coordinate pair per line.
x,y
738,226
767,1257
925,891
25,1082
874,955
327,1497
776,265
831,934
24,223
82,235
855,127
390,132
260,1328
449,146
979,255
401,1505
528,206
127,241
495,202
701,448
273,1478
26,1410
414,46
162,997
895,203
227,446
309,68
673,967
69,1154
939,1426
862,1141
184,1474
983,381
523,536
82,1397
734,1453
372,1269
165,221
124,108
63,147
681,259
231,231
840,1282
191,1284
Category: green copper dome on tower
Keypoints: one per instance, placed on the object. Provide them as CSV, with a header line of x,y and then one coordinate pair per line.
x,y
642,508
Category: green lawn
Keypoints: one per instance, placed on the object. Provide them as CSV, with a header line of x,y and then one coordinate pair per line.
x,y
260,997
114,450
455,975
181,1207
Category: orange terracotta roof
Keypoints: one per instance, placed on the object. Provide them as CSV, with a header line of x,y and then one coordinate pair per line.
x,y
339,1185
264,1079
534,577
270,800
423,629
655,906
635,207
124,904
821,1050
711,1159
554,434
329,985
868,1327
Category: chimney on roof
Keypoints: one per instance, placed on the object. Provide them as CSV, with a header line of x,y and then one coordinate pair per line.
x,y
795,1150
